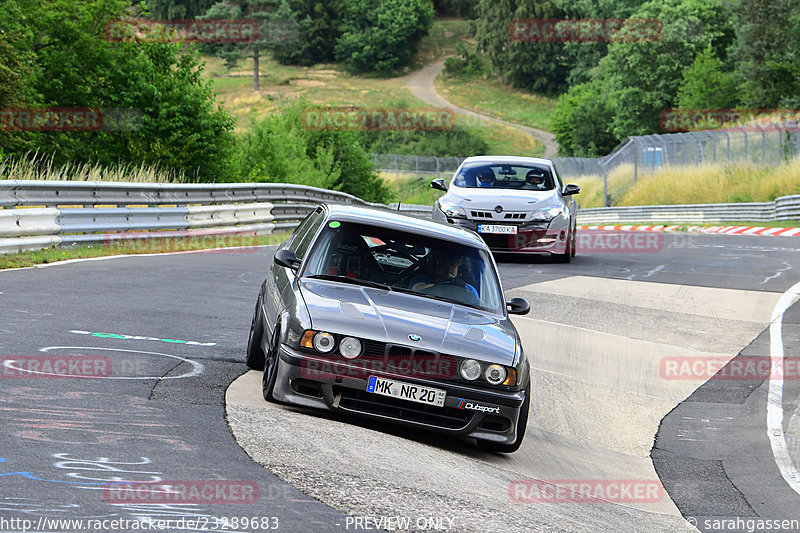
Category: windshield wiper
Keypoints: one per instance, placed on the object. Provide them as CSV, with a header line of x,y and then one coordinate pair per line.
x,y
354,281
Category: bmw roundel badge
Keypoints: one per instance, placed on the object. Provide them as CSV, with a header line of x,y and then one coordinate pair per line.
x,y
415,338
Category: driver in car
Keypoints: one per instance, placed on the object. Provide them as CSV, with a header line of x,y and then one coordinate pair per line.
x,y
535,178
486,178
444,271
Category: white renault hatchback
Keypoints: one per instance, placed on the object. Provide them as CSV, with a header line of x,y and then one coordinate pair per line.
x,y
517,204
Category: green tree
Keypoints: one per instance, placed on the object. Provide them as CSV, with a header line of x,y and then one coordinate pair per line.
x,y
279,149
17,69
177,9
382,35
318,28
767,52
455,8
537,66
74,65
276,23
707,85
582,121
583,57
643,77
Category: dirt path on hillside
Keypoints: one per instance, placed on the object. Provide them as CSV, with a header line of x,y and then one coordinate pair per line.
x,y
420,83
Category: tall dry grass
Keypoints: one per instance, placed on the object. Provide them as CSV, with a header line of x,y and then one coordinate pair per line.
x,y
702,184
712,184
34,166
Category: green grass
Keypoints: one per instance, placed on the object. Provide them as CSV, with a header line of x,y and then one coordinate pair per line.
x,y
441,40
37,167
411,189
491,97
147,246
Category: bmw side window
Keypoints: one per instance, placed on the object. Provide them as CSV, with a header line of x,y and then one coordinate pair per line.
x,y
301,231
304,241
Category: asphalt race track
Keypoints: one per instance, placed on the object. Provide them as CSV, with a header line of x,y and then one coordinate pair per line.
x,y
163,400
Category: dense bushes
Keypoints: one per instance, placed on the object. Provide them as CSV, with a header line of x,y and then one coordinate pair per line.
x,y
279,149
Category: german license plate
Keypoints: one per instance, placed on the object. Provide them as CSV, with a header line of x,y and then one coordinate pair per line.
x,y
406,391
492,228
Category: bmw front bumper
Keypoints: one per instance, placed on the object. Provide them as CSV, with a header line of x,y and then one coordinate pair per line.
x,y
469,412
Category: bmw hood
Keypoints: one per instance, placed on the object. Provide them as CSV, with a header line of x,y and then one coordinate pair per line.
x,y
409,320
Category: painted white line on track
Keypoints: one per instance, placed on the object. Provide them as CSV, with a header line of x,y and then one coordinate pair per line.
x,y
197,367
775,397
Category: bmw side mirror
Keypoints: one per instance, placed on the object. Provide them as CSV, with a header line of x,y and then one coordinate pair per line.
x,y
287,258
438,183
518,306
571,189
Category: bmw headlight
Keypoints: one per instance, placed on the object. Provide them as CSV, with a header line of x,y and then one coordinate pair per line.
x,y
452,210
470,369
324,342
350,348
546,215
495,374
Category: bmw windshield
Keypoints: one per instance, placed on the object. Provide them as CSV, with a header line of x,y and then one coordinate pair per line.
x,y
385,258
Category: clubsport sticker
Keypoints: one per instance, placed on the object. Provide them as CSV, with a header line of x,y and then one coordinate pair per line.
x,y
472,406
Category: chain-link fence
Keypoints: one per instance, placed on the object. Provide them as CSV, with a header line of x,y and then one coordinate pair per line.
x,y
763,146
414,164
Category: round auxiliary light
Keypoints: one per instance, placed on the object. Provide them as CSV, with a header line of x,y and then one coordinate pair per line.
x,y
470,369
495,374
324,342
350,348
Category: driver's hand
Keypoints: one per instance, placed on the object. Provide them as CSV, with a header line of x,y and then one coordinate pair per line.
x,y
420,286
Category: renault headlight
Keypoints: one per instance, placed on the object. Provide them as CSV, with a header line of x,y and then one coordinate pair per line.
x,y
546,215
452,210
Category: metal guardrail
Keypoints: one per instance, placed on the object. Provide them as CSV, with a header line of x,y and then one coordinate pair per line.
x,y
783,208
138,211
111,211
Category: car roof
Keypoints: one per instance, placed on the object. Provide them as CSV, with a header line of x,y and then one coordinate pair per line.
x,y
391,219
508,160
